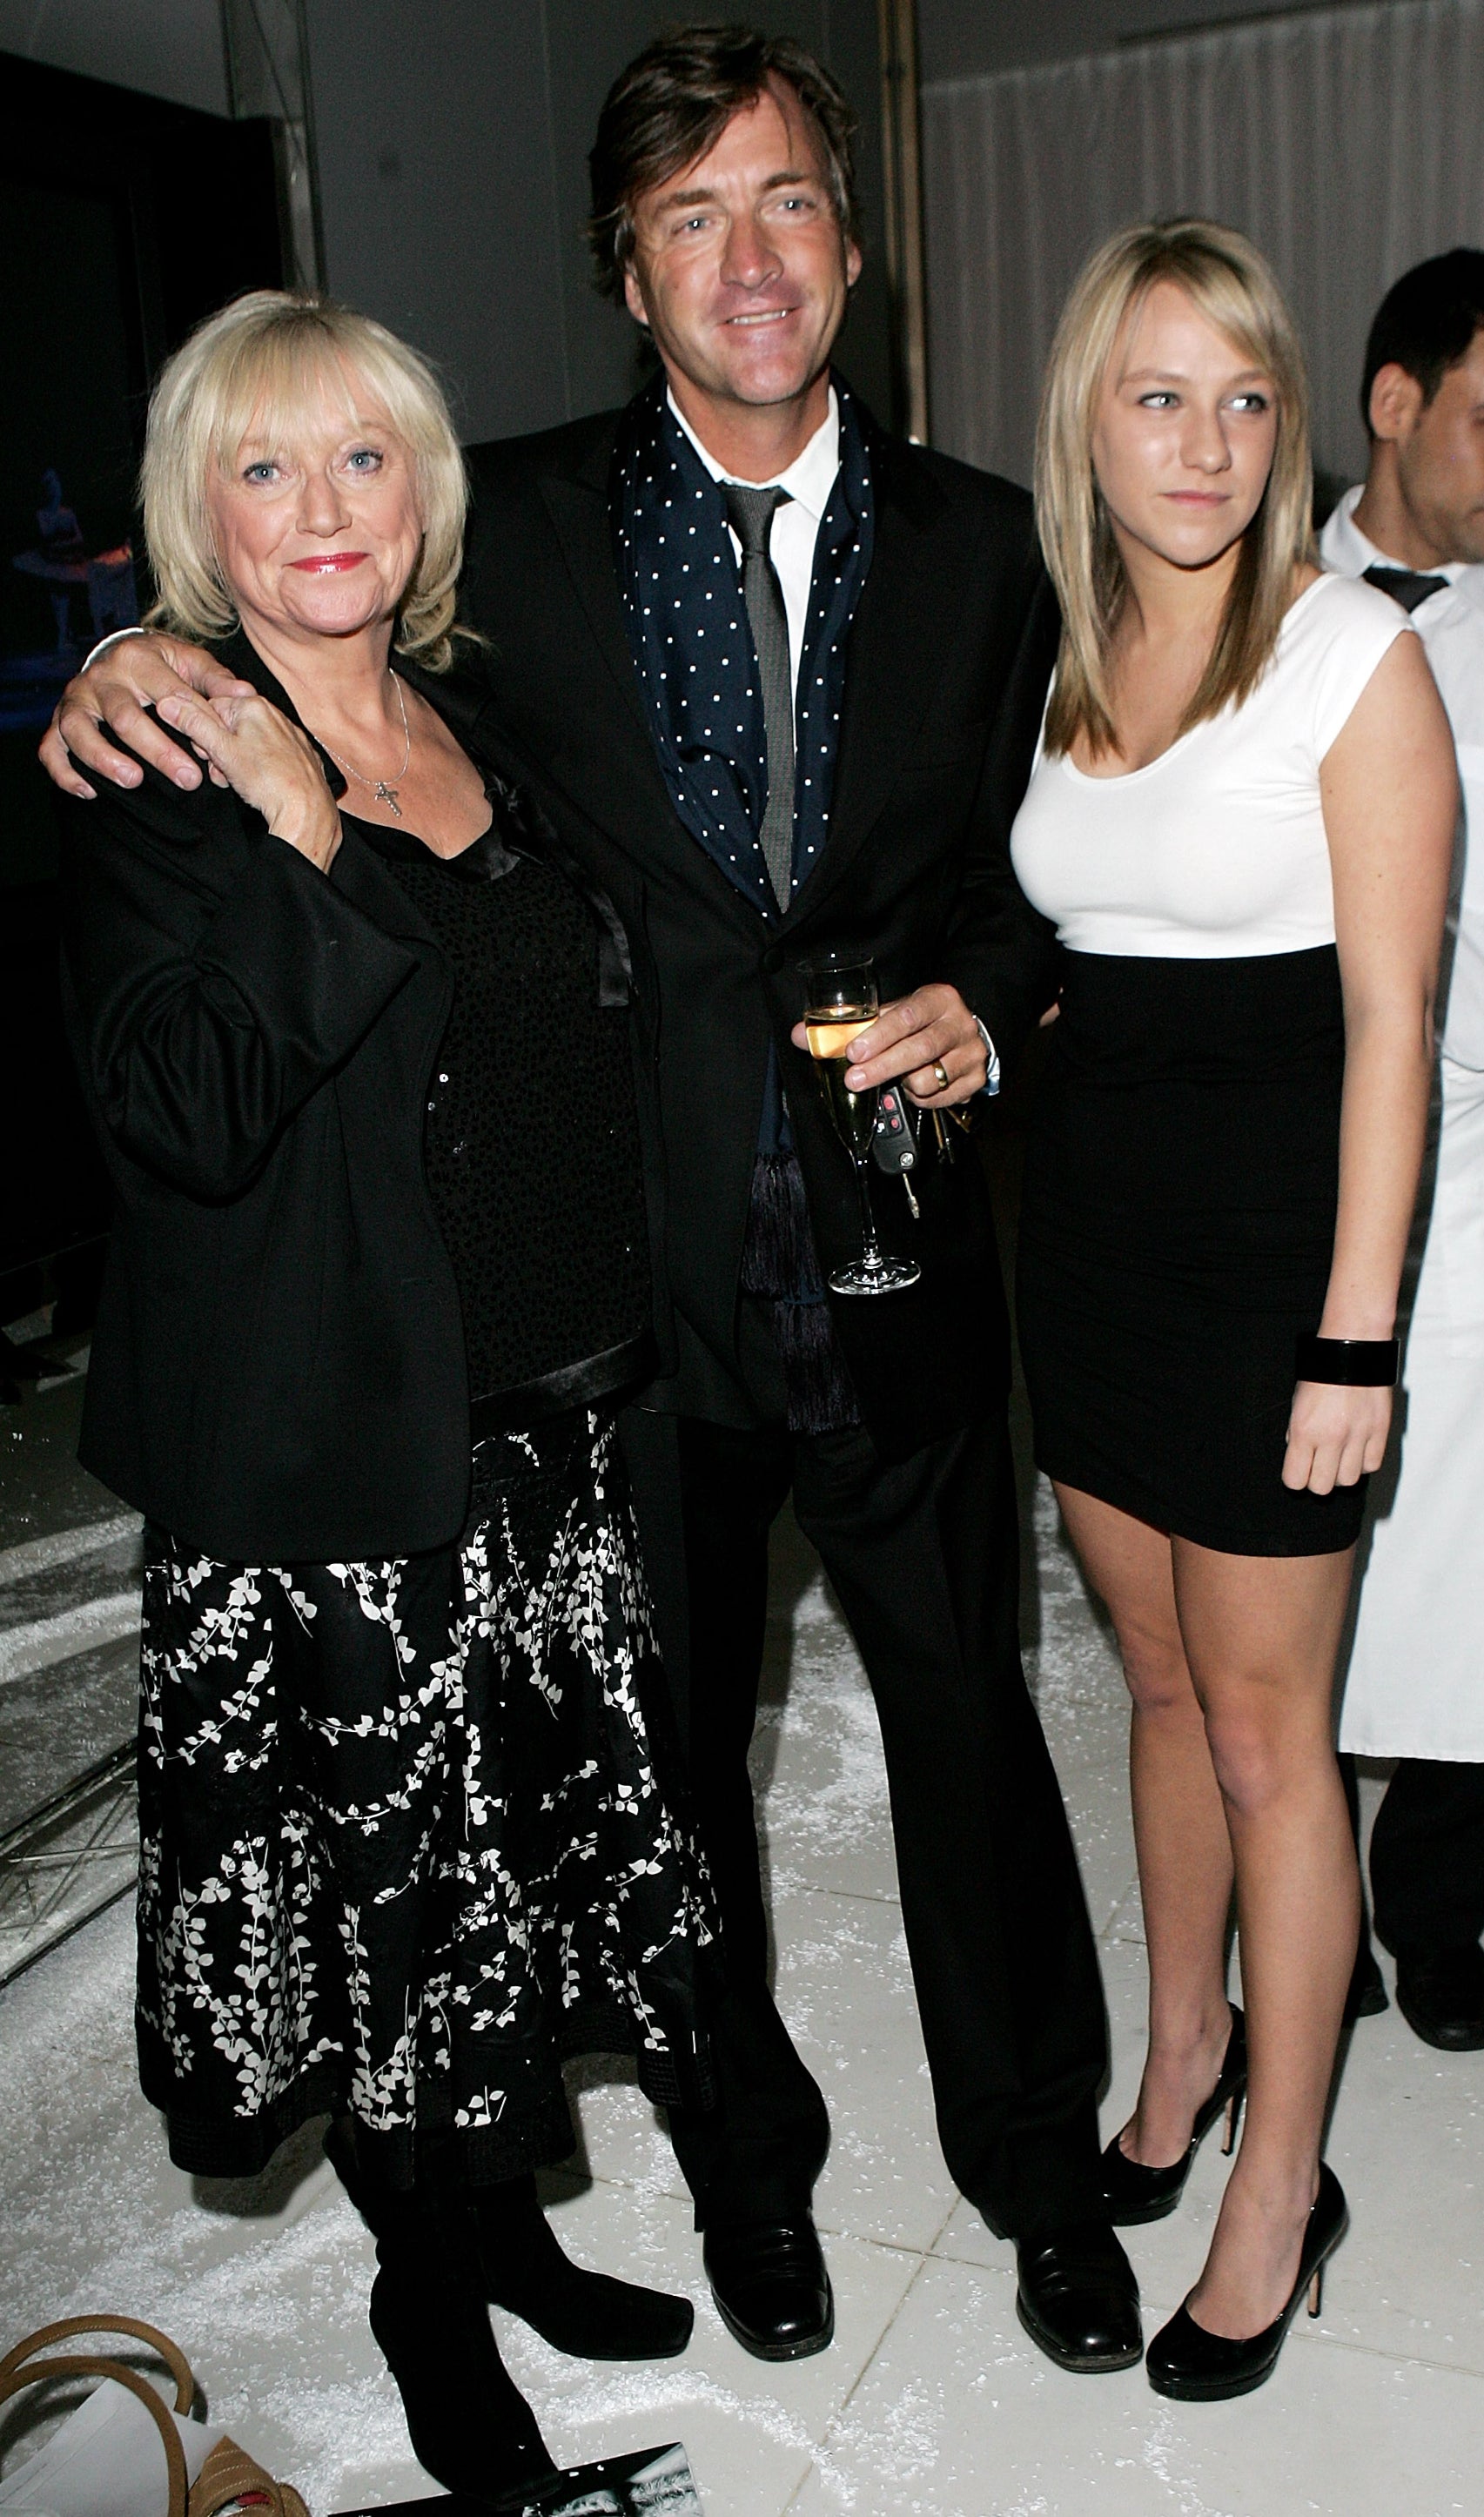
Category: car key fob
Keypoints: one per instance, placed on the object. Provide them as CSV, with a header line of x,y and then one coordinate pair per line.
x,y
894,1143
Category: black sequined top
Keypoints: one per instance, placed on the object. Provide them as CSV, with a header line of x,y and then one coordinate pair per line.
x,y
532,1141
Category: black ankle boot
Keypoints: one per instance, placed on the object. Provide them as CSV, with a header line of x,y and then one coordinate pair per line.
x,y
586,2314
470,2425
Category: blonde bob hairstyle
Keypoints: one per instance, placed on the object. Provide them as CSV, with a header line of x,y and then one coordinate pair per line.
x,y
261,365
1227,279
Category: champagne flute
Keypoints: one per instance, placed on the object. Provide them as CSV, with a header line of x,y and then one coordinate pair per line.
x,y
841,1001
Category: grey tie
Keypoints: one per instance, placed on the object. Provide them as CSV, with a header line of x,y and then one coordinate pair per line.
x,y
750,514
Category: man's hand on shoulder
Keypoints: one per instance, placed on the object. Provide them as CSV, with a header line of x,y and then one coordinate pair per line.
x,y
115,692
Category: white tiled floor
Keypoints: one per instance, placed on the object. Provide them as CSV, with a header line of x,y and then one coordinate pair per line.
x,y
931,2401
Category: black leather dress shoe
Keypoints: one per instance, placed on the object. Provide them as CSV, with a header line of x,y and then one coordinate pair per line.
x,y
771,2288
1078,2298
1441,1997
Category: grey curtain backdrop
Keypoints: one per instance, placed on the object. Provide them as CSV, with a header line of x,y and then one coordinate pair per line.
x,y
1349,141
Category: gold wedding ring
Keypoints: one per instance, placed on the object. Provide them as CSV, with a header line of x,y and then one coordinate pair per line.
x,y
942,1073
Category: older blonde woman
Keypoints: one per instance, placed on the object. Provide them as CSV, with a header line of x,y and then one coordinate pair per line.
x,y
1240,821
357,1045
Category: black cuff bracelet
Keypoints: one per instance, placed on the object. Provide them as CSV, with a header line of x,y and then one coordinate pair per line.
x,y
1348,1363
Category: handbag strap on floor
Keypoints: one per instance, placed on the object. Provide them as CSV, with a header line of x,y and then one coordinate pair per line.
x,y
229,2476
14,2375
47,2336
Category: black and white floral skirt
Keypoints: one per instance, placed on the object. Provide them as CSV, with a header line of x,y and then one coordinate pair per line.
x,y
410,1831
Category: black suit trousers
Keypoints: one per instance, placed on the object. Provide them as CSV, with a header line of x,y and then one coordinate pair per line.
x,y
1427,1857
923,1556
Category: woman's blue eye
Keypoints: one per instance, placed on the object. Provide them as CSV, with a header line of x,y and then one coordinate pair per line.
x,y
259,472
366,454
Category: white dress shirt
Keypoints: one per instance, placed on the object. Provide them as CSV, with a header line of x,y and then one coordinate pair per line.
x,y
1412,1687
809,481
1451,625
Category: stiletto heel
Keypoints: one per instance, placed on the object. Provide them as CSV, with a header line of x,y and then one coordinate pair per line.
x,y
1195,2367
1135,2193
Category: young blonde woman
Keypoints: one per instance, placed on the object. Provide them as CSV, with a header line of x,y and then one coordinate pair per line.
x,y
1240,822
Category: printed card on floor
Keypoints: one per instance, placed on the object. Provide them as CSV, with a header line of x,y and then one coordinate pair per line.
x,y
658,2482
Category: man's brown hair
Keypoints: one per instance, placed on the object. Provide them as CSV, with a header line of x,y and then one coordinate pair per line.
x,y
673,102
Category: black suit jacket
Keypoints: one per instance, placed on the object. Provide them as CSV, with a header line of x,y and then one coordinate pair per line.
x,y
950,655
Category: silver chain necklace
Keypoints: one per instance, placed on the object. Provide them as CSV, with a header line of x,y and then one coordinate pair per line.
x,y
384,790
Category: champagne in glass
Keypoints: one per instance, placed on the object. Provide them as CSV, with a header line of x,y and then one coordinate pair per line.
x,y
854,1113
841,1001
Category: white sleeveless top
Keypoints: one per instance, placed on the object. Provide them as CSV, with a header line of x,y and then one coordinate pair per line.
x,y
1216,850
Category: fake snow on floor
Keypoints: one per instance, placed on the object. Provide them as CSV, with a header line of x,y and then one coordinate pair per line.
x,y
932,2403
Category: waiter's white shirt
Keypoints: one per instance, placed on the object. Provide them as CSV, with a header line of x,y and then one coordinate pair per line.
x,y
809,481
1415,1686
1451,625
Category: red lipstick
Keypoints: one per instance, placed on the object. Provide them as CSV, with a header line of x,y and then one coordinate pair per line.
x,y
330,563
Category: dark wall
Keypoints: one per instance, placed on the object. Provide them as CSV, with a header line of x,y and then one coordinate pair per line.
x,y
453,178
125,220
163,48
437,192
101,272
453,140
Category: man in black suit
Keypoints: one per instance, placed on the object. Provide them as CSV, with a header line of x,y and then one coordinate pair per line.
x,y
777,676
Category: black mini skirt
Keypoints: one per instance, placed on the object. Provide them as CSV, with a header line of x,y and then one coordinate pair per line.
x,y
1176,1234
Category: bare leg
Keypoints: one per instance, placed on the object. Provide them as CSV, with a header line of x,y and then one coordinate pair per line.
x,y
1261,1635
1179,1825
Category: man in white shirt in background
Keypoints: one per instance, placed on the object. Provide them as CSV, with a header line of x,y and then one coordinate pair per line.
x,y
1415,1685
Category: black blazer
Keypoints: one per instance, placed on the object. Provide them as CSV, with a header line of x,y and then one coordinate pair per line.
x,y
277,1370
950,656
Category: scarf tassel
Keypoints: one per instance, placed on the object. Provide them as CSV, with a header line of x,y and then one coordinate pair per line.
x,y
780,1267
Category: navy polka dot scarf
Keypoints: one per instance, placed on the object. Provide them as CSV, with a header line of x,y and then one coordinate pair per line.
x,y
693,648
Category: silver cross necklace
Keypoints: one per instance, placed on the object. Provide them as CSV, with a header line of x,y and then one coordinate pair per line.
x,y
383,790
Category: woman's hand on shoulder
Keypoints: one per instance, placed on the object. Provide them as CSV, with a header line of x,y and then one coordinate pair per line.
x,y
1337,1436
268,762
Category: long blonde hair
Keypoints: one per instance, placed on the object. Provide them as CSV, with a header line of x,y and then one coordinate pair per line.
x,y
259,362
1228,280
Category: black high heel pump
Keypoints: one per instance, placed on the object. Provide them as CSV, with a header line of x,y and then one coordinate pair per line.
x,y
1199,2367
1136,2194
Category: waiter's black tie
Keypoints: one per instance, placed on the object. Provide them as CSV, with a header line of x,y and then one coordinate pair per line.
x,y
750,514
1405,586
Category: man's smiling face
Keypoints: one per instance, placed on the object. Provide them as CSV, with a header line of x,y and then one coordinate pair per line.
x,y
739,267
